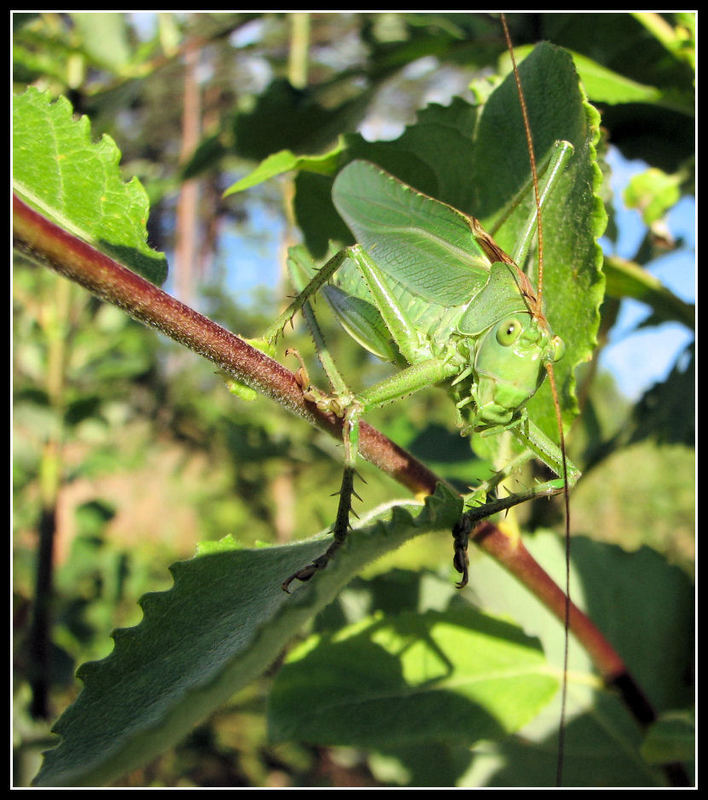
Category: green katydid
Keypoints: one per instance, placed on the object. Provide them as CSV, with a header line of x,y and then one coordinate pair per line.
x,y
426,288
429,290
437,296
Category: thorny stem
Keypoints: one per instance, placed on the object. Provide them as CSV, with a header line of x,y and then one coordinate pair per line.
x,y
49,245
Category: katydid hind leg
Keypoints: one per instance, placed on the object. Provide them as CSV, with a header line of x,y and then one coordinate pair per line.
x,y
399,385
341,398
340,531
344,403
346,493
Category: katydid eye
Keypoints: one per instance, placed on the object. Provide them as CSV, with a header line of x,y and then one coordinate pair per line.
x,y
558,346
508,332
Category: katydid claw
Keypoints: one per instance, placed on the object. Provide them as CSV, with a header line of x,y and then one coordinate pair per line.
x,y
340,530
303,575
307,572
460,560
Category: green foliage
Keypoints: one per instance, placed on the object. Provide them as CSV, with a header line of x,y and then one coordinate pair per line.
x,y
223,623
455,677
76,182
653,193
375,619
160,456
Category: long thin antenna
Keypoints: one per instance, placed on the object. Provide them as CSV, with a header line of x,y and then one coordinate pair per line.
x,y
532,157
556,405
566,607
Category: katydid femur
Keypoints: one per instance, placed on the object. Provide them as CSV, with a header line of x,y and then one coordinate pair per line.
x,y
428,289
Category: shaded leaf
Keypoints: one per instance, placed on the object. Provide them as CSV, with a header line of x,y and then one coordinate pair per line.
x,y
453,676
225,620
288,118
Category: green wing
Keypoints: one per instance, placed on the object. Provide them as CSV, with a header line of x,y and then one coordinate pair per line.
x,y
358,315
425,245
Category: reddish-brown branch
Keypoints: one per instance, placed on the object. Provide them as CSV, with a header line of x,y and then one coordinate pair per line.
x,y
42,240
512,554
52,246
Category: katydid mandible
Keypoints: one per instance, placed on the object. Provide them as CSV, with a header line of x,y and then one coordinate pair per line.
x,y
429,290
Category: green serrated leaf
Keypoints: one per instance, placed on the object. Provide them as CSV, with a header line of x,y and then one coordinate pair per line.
x,y
619,614
224,545
77,183
224,622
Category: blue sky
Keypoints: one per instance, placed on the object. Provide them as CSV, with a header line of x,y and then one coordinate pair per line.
x,y
637,358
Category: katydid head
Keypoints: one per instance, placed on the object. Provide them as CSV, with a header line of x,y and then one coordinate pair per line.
x,y
510,344
509,364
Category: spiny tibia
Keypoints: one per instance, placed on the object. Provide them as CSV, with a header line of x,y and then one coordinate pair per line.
x,y
340,529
